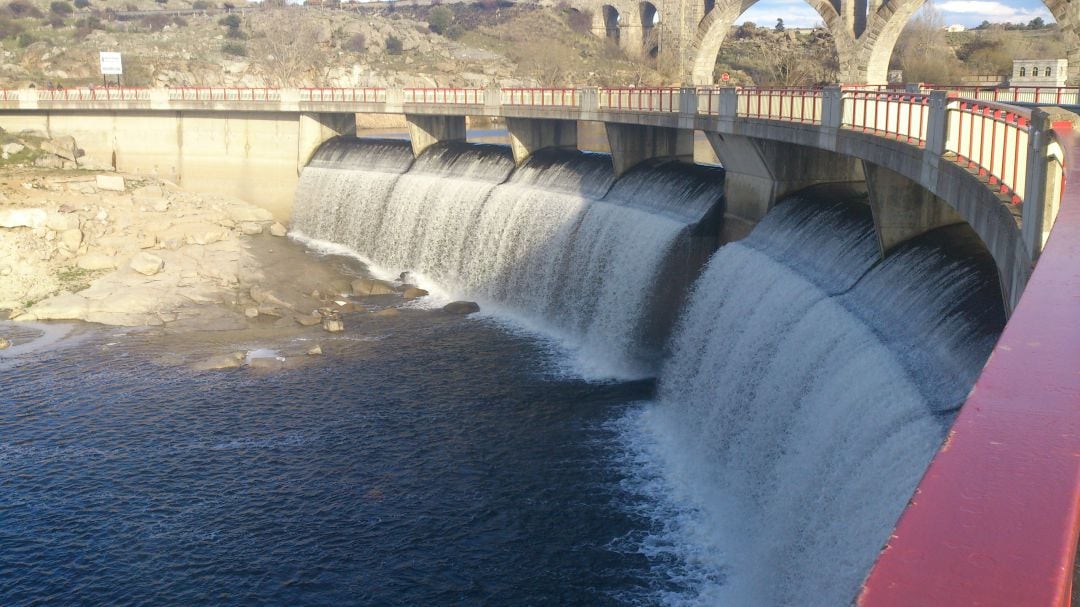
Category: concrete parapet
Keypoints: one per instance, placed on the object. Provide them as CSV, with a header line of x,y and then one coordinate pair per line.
x,y
528,135
426,131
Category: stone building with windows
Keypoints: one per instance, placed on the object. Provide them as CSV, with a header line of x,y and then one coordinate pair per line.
x,y
1039,72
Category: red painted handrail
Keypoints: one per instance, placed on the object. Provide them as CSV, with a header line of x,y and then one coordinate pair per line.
x,y
995,519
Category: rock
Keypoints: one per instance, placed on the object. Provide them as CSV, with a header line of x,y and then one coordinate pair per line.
x,y
309,320
113,183
333,325
461,307
147,241
199,232
221,361
96,261
250,228
247,213
414,293
251,312
71,239
147,263
387,313
12,148
61,221
267,363
23,218
63,147
277,229
315,350
6,343
268,298
67,306
365,287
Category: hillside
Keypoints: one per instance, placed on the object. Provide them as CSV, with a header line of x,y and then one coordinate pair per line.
x,y
478,45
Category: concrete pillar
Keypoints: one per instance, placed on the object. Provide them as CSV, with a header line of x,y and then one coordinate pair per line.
x,y
315,129
426,131
903,209
759,172
632,144
527,135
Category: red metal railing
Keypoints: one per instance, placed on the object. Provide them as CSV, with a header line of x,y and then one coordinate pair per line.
x,y
444,96
1061,95
212,93
900,116
94,94
639,99
565,97
992,140
789,104
355,95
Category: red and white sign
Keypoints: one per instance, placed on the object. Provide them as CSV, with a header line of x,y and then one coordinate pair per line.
x,y
725,77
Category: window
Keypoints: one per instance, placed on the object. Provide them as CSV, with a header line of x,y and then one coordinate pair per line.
x,y
1035,72
1023,72
1047,72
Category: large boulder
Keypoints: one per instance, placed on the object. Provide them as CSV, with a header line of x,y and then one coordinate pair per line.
x,y
114,183
234,360
245,213
64,147
461,307
414,293
365,287
96,261
147,264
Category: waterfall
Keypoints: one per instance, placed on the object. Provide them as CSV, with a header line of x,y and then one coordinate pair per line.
x,y
808,388
558,245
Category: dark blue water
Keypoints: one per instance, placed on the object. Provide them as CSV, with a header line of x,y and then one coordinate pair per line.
x,y
425,460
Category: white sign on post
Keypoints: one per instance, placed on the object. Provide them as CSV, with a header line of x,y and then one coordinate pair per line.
x,y
110,64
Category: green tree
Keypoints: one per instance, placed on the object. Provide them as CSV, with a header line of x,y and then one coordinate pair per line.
x,y
439,19
393,45
1036,24
60,8
779,25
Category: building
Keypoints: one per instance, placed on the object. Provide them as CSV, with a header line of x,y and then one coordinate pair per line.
x,y
1039,72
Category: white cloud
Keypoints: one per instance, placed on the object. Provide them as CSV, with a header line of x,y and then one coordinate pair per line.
x,y
973,12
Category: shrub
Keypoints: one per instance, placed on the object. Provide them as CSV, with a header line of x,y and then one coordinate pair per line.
x,y
439,19
56,21
230,21
59,7
9,28
25,39
393,45
179,21
235,34
82,3
455,32
235,49
201,5
21,9
356,44
579,21
156,23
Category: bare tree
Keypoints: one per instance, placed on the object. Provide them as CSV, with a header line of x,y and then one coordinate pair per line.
x,y
287,49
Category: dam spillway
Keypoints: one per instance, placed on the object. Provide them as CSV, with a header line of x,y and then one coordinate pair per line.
x,y
808,382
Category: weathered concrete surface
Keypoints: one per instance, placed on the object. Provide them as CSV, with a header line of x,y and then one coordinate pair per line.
x,y
903,209
527,136
632,144
759,172
426,131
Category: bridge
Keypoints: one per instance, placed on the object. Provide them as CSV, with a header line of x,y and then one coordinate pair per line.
x,y
995,519
692,31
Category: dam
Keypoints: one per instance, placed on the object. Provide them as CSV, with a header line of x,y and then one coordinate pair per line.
x,y
641,414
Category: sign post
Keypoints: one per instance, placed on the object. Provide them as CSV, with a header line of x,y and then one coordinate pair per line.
x,y
111,65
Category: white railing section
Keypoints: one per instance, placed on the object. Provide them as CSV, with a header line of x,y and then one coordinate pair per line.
x,y
639,99
900,116
541,97
991,140
444,96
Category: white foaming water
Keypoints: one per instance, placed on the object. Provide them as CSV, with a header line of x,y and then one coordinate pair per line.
x,y
538,247
795,417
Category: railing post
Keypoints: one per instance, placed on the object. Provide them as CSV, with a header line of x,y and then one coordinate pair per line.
x,y
590,103
832,107
937,124
728,105
688,102
1035,183
493,101
395,101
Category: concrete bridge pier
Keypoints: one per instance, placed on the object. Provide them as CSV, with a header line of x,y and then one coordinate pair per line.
x,y
315,128
529,135
426,131
903,209
632,144
759,172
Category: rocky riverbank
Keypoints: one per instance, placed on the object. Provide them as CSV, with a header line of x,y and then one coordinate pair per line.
x,y
140,252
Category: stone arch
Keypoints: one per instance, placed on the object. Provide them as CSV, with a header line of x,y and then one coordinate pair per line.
x,y
714,28
608,19
650,33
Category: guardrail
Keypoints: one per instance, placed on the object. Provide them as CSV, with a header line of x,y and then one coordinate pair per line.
x,y
1049,95
356,95
443,96
541,97
802,105
639,99
991,139
900,116
210,93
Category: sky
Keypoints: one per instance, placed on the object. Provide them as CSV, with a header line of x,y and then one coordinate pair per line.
x,y
970,13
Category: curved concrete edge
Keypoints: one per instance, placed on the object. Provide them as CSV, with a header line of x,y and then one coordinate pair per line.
x,y
995,519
